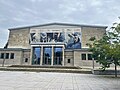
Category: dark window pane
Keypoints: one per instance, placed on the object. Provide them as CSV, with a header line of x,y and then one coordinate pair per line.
x,y
26,59
57,56
89,56
37,53
47,55
12,56
68,60
83,56
2,56
7,56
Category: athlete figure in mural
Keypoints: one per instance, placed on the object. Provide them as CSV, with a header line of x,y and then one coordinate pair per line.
x,y
55,37
74,41
35,37
43,37
59,37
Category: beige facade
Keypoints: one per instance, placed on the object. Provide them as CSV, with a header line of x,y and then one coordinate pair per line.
x,y
19,38
26,45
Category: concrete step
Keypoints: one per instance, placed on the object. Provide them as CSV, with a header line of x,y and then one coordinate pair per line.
x,y
47,69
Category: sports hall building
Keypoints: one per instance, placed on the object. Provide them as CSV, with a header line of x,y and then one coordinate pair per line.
x,y
50,44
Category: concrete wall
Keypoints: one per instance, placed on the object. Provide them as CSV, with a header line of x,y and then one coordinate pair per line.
x,y
79,62
19,39
88,32
17,58
69,55
76,59
26,57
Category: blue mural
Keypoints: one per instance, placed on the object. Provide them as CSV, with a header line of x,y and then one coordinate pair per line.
x,y
71,39
74,41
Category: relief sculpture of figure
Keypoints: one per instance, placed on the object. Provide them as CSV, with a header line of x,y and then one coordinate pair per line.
x,y
35,37
74,41
43,37
59,37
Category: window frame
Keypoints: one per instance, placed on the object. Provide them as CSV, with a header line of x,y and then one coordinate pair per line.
x,y
89,57
2,55
7,55
12,56
68,60
83,58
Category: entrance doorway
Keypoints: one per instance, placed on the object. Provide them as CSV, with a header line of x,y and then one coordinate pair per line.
x,y
57,56
36,55
47,55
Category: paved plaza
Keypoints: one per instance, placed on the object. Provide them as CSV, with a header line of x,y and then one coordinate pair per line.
x,y
13,80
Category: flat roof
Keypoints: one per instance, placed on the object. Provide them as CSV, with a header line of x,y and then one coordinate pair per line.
x,y
13,49
63,24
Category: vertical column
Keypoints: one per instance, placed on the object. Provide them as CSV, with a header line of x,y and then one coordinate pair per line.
x,y
41,56
63,62
52,55
86,56
31,55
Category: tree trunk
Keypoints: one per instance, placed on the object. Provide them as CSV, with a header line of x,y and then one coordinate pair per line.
x,y
115,69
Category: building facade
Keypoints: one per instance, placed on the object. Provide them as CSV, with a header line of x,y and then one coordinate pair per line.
x,y
50,44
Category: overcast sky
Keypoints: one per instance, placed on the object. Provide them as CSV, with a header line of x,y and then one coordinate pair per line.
x,y
15,13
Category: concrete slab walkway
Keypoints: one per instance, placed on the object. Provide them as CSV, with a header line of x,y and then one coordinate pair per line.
x,y
14,80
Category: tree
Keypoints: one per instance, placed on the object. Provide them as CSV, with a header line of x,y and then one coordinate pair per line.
x,y
106,51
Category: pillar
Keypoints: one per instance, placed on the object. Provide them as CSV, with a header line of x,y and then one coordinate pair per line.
x,y
86,56
31,55
52,56
63,61
41,56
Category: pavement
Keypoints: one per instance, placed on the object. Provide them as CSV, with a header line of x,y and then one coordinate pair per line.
x,y
16,80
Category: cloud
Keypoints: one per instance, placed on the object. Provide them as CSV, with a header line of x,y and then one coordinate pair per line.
x,y
30,12
3,37
96,3
35,1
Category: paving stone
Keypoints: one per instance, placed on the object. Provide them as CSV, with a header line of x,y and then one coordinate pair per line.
x,y
14,80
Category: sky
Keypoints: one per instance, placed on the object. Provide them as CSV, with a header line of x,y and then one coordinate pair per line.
x,y
18,13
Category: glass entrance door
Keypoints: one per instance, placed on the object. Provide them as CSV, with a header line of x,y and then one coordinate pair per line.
x,y
47,55
36,55
57,56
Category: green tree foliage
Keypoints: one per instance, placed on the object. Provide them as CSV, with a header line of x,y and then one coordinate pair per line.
x,y
106,51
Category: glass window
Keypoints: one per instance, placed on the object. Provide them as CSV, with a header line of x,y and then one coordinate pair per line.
x,y
83,56
7,56
2,56
57,55
36,55
47,55
68,60
26,59
12,56
89,56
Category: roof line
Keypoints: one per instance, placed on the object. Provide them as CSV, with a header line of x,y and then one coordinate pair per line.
x,y
64,24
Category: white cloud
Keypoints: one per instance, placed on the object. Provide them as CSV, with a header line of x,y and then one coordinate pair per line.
x,y
7,3
35,1
27,12
18,19
3,37
96,2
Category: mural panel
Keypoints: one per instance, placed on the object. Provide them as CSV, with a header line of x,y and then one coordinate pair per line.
x,y
70,37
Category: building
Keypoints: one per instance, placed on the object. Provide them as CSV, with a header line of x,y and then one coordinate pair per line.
x,y
50,44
